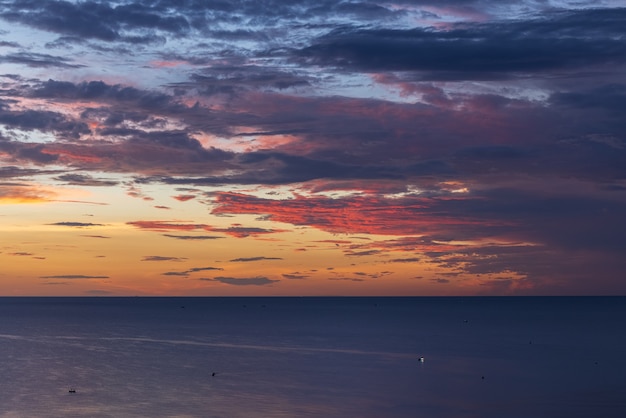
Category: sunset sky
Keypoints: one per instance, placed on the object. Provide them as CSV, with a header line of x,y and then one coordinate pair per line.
x,y
313,147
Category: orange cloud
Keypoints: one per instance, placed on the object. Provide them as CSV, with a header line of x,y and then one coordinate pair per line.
x,y
369,214
18,193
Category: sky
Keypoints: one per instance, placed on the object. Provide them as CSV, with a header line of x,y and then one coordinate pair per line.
x,y
312,147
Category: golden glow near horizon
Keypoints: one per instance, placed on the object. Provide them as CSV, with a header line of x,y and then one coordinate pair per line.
x,y
164,241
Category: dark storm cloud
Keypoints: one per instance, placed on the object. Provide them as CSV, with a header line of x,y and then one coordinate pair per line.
x,y
560,40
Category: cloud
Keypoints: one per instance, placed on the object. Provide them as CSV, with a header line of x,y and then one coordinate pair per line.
x,y
243,231
361,214
555,41
85,180
99,21
161,258
295,276
235,231
76,224
36,60
74,277
362,253
166,225
176,273
192,237
405,260
239,281
346,279
235,80
196,269
248,259
25,193
187,272
14,171
184,198
42,120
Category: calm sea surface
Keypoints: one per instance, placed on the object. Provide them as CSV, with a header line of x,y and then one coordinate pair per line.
x,y
313,357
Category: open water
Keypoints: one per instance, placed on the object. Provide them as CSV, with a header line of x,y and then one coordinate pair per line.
x,y
505,357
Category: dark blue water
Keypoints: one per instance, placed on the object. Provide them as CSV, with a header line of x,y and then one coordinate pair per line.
x,y
313,357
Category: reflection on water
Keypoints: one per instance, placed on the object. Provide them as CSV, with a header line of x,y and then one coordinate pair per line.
x,y
312,357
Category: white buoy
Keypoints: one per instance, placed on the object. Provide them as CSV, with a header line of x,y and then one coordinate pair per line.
x,y
421,359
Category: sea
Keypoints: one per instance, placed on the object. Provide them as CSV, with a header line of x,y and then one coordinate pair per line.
x,y
378,357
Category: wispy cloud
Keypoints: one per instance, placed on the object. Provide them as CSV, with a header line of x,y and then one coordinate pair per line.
x,y
193,237
295,276
76,224
243,281
74,277
36,60
248,259
85,180
161,258
187,272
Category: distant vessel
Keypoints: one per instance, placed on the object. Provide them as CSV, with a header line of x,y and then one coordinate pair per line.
x,y
72,390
